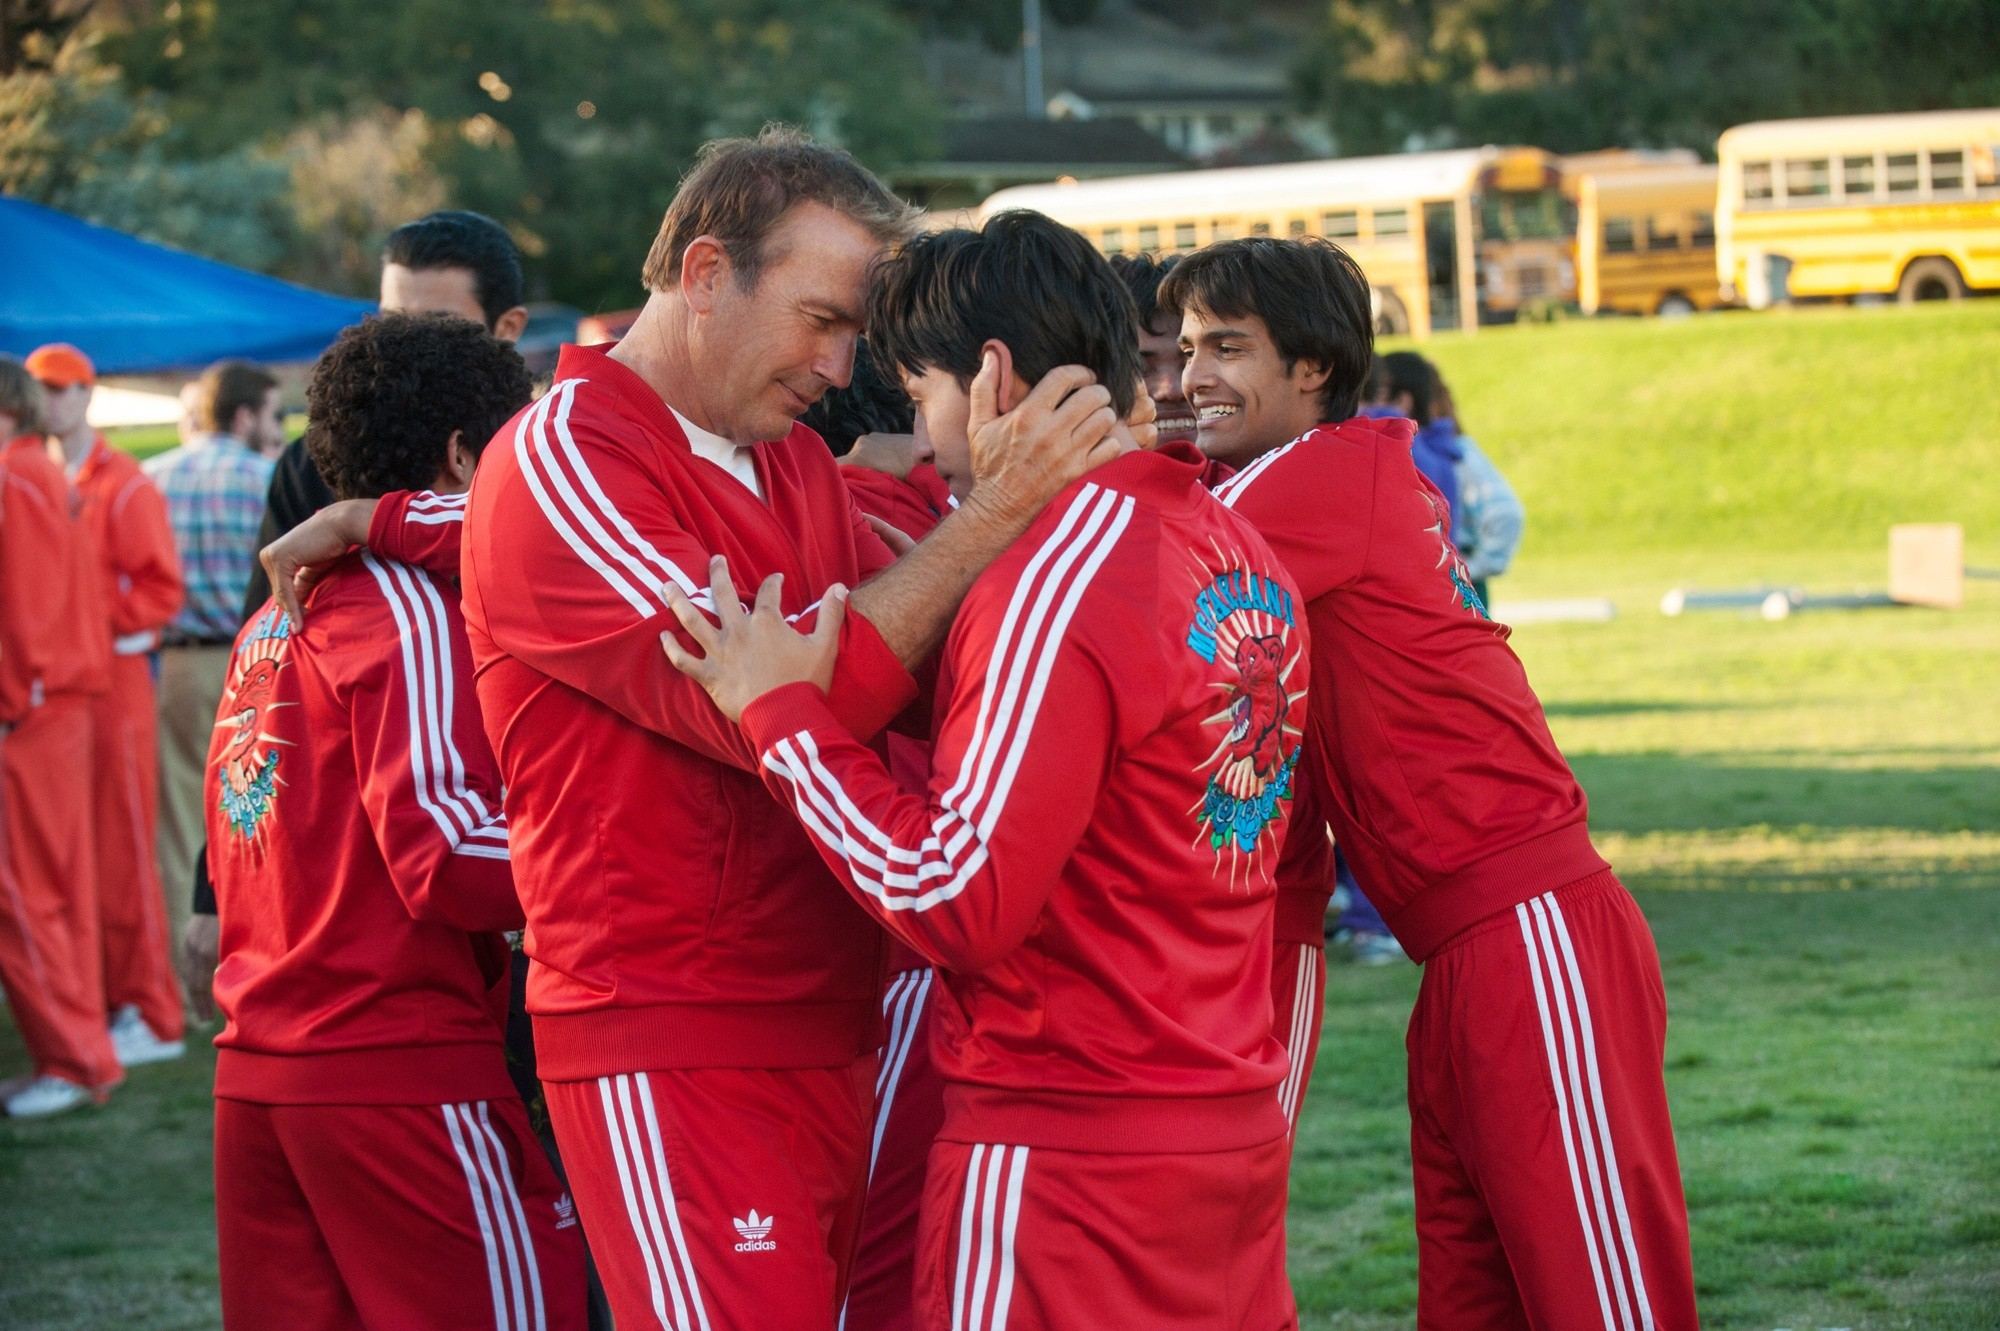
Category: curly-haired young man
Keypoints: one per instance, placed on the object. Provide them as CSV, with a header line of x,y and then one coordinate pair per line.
x,y
374,1165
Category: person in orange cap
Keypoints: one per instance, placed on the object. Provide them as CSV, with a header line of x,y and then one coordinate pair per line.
x,y
141,590
53,658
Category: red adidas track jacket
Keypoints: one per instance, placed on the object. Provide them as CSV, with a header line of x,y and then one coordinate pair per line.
x,y
677,916
1120,699
359,853
1440,778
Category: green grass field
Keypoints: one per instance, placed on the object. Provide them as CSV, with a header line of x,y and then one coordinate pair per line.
x,y
1808,811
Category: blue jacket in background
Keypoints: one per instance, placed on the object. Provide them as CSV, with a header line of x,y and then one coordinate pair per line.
x,y
1436,451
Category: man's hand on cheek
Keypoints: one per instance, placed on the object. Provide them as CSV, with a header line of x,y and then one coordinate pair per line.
x,y
1022,459
747,653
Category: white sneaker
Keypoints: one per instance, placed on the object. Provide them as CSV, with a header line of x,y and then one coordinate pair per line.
x,y
134,1042
45,1096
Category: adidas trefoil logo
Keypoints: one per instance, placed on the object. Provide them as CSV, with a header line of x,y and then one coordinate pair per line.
x,y
754,1228
565,1212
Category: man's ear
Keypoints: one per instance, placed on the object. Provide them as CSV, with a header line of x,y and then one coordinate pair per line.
x,y
1311,376
1011,388
509,326
705,267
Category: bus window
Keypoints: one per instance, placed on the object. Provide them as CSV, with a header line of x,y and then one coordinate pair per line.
x,y
1222,230
1806,178
1902,173
1149,239
1342,225
1947,171
1114,240
1296,227
1663,233
1260,228
1986,170
1618,236
1858,176
1184,235
1392,222
1524,215
1757,185
1703,235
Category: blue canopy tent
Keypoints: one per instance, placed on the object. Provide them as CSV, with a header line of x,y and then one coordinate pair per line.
x,y
135,307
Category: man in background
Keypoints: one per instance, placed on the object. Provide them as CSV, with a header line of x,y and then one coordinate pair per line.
x,y
214,487
53,659
140,579
450,262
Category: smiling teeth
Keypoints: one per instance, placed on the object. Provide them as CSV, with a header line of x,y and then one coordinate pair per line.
x,y
1168,424
1213,413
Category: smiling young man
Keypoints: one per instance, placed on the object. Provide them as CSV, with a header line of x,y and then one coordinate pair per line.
x,y
1090,861
1547,1189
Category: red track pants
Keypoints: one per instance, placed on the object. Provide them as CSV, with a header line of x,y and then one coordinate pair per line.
x,y
1548,1193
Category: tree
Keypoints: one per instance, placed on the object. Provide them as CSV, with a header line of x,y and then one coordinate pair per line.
x,y
72,137
570,121
1575,74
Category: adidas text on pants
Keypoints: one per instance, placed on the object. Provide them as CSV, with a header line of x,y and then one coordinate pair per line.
x,y
718,1198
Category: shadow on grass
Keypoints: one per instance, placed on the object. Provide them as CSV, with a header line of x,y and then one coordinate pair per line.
x,y
1601,707
1671,792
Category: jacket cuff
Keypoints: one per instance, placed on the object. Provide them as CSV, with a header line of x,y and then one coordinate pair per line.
x,y
783,713
870,685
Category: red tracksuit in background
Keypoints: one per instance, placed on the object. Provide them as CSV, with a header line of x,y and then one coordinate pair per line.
x,y
1548,1193
1091,869
54,664
141,590
704,996
909,1097
374,1166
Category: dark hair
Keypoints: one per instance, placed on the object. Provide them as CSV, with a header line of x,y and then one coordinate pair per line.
x,y
1142,275
1405,372
475,242
739,190
22,397
230,385
1030,282
387,395
870,404
1309,292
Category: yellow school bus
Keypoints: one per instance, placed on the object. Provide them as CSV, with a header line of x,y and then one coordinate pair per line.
x,y
1645,239
1448,239
1860,206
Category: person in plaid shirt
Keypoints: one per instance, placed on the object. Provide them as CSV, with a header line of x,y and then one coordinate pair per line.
x,y
214,486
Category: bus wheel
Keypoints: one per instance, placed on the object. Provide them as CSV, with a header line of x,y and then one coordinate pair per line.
x,y
1675,306
1930,279
1391,319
